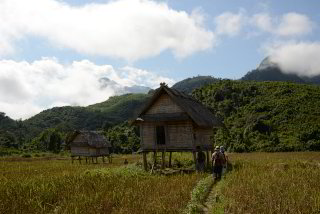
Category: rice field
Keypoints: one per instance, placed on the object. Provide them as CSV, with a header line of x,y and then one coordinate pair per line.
x,y
271,183
39,185
258,183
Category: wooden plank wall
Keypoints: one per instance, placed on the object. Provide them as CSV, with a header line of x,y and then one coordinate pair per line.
x,y
203,137
178,135
164,105
80,151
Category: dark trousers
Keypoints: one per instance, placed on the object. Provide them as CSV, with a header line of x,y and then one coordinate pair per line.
x,y
217,171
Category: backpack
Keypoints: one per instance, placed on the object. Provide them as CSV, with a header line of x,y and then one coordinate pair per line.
x,y
218,159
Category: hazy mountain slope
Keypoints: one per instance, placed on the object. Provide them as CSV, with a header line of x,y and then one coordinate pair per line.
x,y
189,84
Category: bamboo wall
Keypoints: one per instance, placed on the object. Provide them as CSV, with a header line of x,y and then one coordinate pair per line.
x,y
164,105
178,135
88,151
203,137
80,151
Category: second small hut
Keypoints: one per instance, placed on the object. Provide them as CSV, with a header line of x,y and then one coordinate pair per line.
x,y
90,144
175,122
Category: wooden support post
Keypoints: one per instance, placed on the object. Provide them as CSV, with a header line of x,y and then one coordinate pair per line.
x,y
86,159
163,160
79,159
92,160
208,160
170,156
96,159
195,158
145,164
154,158
211,166
72,159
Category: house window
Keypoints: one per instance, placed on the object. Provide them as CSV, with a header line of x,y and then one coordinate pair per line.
x,y
161,136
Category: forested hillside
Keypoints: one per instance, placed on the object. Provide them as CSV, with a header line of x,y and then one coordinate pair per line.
x,y
258,116
265,116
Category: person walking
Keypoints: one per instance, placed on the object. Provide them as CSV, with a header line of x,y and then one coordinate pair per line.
x,y
218,162
225,156
200,160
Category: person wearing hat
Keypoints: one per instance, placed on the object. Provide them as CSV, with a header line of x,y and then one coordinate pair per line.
x,y
218,162
225,156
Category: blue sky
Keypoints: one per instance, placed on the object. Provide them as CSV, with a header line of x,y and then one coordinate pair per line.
x,y
54,53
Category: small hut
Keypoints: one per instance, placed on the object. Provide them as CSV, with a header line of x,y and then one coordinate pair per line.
x,y
175,122
89,144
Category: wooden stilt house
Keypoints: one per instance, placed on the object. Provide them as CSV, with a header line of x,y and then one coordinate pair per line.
x,y
175,122
89,144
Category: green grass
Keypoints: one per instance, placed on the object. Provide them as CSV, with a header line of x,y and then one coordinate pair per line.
x,y
54,185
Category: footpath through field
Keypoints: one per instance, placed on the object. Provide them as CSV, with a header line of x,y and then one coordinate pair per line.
x,y
211,198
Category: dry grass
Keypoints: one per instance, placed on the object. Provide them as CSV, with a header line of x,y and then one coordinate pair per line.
x,y
272,183
57,186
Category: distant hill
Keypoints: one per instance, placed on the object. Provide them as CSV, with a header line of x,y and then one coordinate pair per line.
x,y
189,84
269,71
101,115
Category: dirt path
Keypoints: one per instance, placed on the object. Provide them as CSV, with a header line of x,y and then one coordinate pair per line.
x,y
207,205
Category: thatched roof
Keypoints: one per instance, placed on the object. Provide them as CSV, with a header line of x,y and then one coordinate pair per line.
x,y
90,138
196,111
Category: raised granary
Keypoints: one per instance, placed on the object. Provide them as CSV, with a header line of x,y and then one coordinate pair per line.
x,y
89,144
175,122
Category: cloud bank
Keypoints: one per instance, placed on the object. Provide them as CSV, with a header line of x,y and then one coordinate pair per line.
x,y
288,25
126,29
27,88
301,58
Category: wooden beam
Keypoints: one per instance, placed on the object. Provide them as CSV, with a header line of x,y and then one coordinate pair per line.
x,y
170,156
154,158
163,160
194,158
208,160
145,164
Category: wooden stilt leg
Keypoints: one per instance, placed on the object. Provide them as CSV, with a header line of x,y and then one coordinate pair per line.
x,y
170,156
145,164
92,160
86,159
163,160
208,160
79,159
154,158
194,158
72,159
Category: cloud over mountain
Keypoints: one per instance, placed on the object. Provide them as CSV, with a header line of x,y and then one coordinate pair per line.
x,y
301,58
126,29
27,88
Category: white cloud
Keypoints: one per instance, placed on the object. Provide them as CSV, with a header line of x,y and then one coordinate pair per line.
x,y
127,29
230,23
27,88
302,58
289,24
